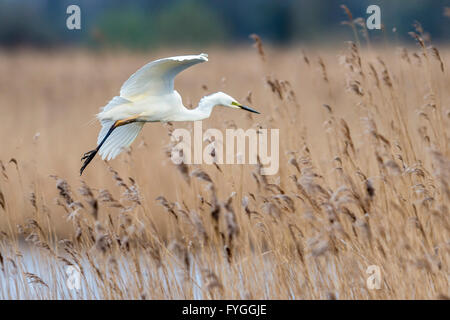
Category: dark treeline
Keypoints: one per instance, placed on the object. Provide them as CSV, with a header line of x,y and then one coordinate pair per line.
x,y
153,23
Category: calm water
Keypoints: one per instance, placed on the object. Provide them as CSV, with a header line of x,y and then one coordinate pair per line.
x,y
61,281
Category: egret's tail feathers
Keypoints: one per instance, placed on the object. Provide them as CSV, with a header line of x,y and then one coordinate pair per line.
x,y
119,139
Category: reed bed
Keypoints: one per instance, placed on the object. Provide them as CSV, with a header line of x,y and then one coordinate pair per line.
x,y
363,179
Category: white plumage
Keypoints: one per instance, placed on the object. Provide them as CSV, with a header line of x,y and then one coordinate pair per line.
x,y
157,77
149,96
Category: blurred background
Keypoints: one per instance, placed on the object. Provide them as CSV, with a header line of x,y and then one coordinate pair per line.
x,y
53,80
150,24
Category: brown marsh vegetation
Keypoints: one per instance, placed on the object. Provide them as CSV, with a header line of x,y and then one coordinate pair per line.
x,y
363,179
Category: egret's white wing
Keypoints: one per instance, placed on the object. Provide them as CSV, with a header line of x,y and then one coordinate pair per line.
x,y
107,124
119,139
156,78
116,101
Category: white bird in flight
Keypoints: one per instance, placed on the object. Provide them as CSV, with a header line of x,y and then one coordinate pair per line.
x,y
148,96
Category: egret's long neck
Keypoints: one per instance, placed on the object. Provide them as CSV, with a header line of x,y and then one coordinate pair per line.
x,y
202,111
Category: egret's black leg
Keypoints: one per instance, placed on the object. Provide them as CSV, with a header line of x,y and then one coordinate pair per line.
x,y
88,156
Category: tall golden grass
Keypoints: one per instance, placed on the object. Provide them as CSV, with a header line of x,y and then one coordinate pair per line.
x,y
363,180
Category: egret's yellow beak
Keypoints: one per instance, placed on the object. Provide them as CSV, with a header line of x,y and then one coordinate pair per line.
x,y
244,107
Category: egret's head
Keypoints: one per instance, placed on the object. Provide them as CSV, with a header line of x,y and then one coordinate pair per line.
x,y
227,101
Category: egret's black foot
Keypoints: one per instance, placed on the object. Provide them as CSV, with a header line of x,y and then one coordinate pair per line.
x,y
87,157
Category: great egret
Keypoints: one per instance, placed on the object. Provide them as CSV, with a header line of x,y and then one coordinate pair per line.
x,y
148,96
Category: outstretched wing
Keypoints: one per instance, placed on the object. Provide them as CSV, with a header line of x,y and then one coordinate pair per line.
x,y
119,139
156,78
